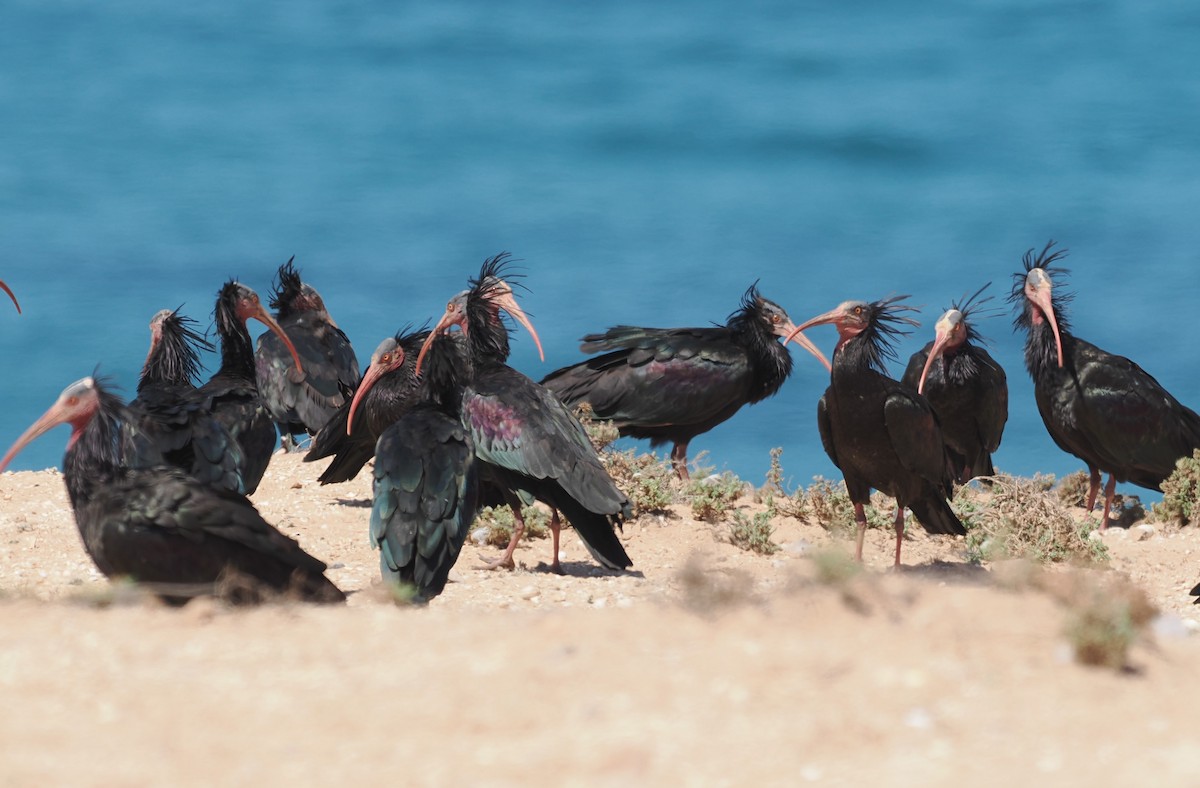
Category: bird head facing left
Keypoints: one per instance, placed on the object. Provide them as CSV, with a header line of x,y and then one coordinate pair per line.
x,y
876,323
953,330
237,303
455,315
489,293
1033,289
4,287
388,357
76,405
777,322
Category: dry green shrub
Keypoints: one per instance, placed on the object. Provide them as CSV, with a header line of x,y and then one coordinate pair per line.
x,y
500,522
712,497
1181,492
1105,615
773,493
1073,489
601,433
1021,520
650,483
706,590
830,505
753,533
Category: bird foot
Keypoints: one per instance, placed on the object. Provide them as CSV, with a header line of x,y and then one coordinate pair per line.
x,y
554,568
503,562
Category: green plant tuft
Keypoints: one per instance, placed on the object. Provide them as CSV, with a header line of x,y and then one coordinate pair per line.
x,y
1181,492
1020,520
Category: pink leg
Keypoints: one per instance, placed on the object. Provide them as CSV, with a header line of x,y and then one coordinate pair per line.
x,y
899,534
1093,488
1109,490
555,528
505,561
679,460
860,517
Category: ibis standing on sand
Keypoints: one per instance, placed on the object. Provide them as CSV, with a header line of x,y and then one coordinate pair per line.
x,y
672,384
426,485
966,387
1100,407
233,390
168,424
388,396
878,431
302,402
161,527
529,443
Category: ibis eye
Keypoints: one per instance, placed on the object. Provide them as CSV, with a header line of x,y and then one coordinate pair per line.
x,y
72,401
386,358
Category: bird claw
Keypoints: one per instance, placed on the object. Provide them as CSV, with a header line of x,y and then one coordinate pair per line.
x,y
503,562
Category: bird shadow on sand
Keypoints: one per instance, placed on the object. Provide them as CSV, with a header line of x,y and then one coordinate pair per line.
x,y
584,569
361,503
949,571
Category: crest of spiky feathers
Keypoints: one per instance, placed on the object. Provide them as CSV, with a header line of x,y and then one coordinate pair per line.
x,y
972,307
750,307
176,359
885,319
489,332
1059,298
286,286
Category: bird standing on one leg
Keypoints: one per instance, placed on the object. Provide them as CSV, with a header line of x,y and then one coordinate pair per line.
x,y
878,431
1100,407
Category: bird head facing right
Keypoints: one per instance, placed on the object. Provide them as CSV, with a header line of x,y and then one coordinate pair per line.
x,y
5,288
76,405
953,330
476,311
1033,291
873,323
236,304
291,296
775,321
388,357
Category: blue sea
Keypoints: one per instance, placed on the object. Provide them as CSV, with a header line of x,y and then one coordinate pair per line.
x,y
645,162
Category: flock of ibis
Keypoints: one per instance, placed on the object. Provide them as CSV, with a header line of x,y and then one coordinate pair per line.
x,y
159,486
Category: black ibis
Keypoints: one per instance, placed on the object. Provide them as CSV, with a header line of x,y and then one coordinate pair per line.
x,y
233,390
672,384
161,527
301,403
1100,407
530,445
11,295
167,423
966,387
878,431
426,483
387,398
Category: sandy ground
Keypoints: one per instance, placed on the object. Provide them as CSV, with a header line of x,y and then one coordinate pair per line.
x,y
706,665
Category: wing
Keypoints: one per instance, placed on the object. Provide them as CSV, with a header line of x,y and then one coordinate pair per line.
x,y
184,434
159,525
519,425
1134,424
993,400
311,397
426,488
823,425
658,377
915,435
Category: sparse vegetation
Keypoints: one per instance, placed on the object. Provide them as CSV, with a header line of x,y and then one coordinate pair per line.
x,y
712,497
774,494
1181,492
649,482
830,505
499,522
602,434
1073,489
1021,521
753,533
706,590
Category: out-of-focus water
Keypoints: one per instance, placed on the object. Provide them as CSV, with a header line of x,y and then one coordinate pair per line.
x,y
646,162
